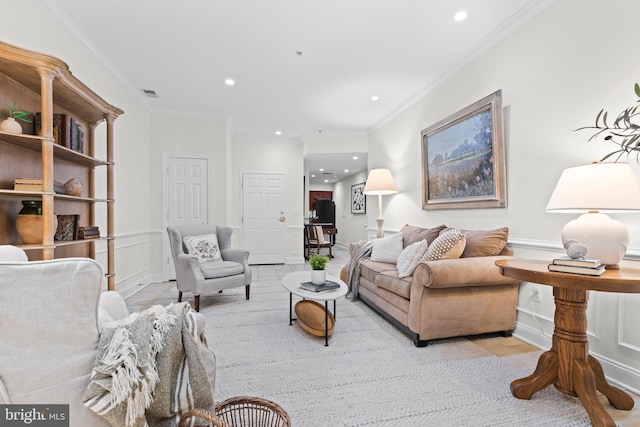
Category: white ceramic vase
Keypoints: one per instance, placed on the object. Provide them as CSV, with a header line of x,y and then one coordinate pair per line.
x,y
10,125
318,277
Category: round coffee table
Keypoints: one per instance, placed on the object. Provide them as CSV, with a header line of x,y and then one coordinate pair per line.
x,y
291,283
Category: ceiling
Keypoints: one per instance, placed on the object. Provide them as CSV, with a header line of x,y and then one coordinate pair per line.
x,y
300,67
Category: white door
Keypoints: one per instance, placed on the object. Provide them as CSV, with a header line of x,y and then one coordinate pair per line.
x,y
263,227
186,201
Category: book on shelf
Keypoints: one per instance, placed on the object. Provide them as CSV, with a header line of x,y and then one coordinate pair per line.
x,y
88,232
589,271
62,125
27,184
27,181
326,286
577,262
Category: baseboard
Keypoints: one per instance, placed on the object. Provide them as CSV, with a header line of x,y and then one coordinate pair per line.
x,y
617,373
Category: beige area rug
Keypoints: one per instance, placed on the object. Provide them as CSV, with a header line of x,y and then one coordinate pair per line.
x,y
370,375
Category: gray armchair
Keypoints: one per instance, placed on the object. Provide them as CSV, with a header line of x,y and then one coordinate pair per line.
x,y
206,278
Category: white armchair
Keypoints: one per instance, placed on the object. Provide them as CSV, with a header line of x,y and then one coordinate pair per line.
x,y
195,272
51,313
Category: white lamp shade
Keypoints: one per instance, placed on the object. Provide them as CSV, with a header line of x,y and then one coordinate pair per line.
x,y
380,181
597,188
602,187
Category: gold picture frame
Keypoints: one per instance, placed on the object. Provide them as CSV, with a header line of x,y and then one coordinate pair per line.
x,y
463,158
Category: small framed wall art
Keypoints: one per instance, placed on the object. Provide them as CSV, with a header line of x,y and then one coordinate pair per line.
x,y
463,158
358,199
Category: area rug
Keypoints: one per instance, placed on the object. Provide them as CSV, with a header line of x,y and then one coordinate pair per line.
x,y
370,374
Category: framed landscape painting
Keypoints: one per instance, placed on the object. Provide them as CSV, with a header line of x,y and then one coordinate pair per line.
x,y
463,158
358,199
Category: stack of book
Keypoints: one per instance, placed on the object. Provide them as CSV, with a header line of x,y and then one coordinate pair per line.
x,y
326,286
583,265
88,232
27,184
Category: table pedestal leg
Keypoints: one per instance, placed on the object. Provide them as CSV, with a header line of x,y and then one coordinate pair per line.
x,y
568,364
546,373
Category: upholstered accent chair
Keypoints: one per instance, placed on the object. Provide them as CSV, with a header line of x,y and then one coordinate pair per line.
x,y
204,261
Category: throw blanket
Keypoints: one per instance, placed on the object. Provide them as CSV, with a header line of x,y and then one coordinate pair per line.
x,y
361,251
148,369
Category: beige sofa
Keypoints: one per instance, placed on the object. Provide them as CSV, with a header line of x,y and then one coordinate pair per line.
x,y
444,298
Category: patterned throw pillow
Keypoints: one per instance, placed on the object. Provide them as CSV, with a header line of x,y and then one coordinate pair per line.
x,y
449,244
204,247
410,257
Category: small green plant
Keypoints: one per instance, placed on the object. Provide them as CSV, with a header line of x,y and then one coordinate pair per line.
x,y
624,131
19,114
318,262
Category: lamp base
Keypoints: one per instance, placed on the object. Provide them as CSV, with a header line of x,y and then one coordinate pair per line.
x,y
380,234
605,238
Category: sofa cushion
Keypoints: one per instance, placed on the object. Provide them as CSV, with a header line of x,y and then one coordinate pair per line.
x,y
412,234
370,269
205,247
449,244
387,249
485,242
390,281
213,270
410,257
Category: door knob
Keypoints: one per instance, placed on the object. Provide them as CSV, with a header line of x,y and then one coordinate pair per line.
x,y
282,219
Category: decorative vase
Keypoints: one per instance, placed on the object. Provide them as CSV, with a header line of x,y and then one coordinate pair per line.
x,y
10,125
29,222
318,277
73,187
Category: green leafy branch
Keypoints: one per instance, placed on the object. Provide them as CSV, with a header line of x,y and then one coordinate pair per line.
x,y
623,131
19,114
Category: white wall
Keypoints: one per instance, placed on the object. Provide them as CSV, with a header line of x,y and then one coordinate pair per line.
x,y
556,73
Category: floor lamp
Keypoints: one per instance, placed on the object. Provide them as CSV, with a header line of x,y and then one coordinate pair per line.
x,y
380,182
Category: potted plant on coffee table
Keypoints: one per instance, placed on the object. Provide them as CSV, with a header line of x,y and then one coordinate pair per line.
x,y
318,264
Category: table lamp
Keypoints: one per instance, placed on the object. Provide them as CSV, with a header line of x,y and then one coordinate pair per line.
x,y
595,190
380,182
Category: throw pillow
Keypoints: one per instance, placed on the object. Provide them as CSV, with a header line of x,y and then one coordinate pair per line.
x,y
414,234
485,242
410,257
204,247
449,244
387,249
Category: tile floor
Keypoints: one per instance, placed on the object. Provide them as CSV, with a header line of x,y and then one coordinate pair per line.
x,y
512,350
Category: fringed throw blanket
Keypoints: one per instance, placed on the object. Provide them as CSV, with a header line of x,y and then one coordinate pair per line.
x,y
360,251
148,369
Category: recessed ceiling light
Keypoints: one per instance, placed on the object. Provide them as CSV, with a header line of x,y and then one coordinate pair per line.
x,y
278,132
313,175
229,82
321,169
346,170
326,180
374,98
460,16
355,157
